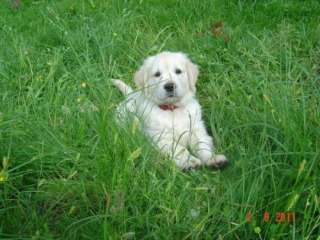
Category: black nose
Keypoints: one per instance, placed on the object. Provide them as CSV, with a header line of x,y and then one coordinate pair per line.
x,y
169,87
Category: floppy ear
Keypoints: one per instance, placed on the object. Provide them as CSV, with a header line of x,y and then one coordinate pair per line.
x,y
140,77
193,72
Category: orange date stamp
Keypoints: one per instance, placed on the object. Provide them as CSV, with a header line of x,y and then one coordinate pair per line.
x,y
279,217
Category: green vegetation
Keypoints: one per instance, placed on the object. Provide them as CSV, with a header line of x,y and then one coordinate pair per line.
x,y
69,172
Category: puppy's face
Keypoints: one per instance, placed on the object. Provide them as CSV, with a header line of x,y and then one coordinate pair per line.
x,y
167,77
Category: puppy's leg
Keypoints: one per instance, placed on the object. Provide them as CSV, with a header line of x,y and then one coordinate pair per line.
x,y
205,151
179,153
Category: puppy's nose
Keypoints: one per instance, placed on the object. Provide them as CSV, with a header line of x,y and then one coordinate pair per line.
x,y
169,87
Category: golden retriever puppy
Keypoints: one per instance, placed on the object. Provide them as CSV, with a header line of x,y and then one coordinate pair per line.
x,y
168,111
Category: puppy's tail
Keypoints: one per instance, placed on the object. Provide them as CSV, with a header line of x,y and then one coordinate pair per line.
x,y
124,88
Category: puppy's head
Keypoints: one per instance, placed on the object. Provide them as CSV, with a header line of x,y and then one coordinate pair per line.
x,y
167,77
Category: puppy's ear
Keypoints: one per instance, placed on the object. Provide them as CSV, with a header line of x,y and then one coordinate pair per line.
x,y
140,77
193,72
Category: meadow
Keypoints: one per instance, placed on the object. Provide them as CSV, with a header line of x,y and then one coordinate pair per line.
x,y
68,171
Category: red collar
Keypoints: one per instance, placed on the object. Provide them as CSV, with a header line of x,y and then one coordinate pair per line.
x,y
168,106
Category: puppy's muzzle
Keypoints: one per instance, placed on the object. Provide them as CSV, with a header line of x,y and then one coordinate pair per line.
x,y
169,87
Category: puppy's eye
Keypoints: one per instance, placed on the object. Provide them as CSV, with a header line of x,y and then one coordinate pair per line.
x,y
178,71
157,74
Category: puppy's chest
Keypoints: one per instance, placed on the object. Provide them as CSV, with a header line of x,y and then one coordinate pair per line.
x,y
179,121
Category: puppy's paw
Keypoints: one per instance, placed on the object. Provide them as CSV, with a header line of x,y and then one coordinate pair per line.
x,y
194,162
218,161
190,163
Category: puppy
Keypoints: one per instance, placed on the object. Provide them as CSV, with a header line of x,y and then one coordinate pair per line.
x,y
168,110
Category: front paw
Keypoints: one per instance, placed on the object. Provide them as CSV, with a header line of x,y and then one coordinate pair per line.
x,y
190,163
218,161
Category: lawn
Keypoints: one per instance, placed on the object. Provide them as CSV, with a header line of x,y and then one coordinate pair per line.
x,y
68,171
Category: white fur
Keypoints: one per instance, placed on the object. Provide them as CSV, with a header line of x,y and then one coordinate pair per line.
x,y
177,131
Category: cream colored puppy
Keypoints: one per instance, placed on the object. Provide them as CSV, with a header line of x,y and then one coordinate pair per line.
x,y
168,110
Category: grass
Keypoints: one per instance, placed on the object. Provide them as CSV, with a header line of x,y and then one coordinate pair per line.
x,y
69,172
